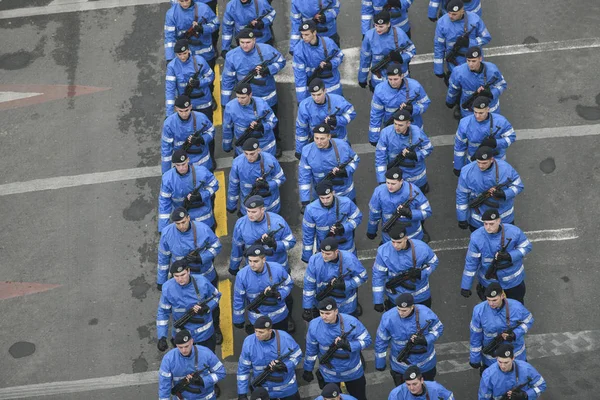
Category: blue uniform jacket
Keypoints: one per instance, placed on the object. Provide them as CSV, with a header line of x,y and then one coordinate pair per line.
x,y
243,175
237,118
238,16
321,335
174,367
391,143
249,284
257,355
178,75
472,182
435,5
383,204
315,163
390,262
371,7
343,396
176,132
319,273
303,10
487,323
175,188
495,383
434,390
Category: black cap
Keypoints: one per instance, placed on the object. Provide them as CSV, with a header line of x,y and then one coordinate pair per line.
x,y
493,290
405,300
260,393
473,52
178,266
402,115
483,153
178,214
330,390
382,17
182,101
324,187
246,33
454,5
254,202
179,156
505,350
183,336
255,250
412,372
481,102
397,231
327,304
322,128
181,45
250,144
315,85
393,173
308,26
329,244
243,88
263,322
491,214
394,69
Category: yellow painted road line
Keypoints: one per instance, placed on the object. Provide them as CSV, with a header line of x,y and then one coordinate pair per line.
x,y
220,205
217,114
226,319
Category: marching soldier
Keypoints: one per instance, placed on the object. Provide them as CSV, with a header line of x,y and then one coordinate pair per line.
x,y
322,108
380,42
260,278
406,146
438,8
332,391
273,349
412,261
329,216
197,365
257,15
338,271
398,93
482,128
254,172
398,10
416,388
348,336
322,12
494,181
316,57
515,379
495,254
496,321
191,186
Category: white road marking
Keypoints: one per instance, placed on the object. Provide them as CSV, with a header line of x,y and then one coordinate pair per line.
x,y
67,6
538,346
12,96
62,182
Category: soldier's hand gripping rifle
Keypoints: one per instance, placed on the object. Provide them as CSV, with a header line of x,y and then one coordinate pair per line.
x,y
258,20
336,179
517,388
409,348
248,132
405,278
189,314
249,78
183,384
318,71
337,224
330,287
468,103
262,297
381,64
321,15
325,359
455,50
483,197
268,371
195,30
401,161
270,239
400,211
257,186
195,137
194,197
390,120
492,272
491,347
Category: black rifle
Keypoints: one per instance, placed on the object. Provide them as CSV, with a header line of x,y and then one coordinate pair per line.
x,y
266,374
188,143
492,272
332,177
246,135
403,279
338,222
393,13
194,193
396,215
333,114
189,314
325,359
249,78
189,88
255,189
258,300
455,50
259,18
183,384
194,31
390,120
491,347
321,29
401,161
405,352
319,70
483,197
381,64
517,388
468,103
330,287
270,235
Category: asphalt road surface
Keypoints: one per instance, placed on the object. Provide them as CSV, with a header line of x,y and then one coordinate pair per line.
x,y
82,103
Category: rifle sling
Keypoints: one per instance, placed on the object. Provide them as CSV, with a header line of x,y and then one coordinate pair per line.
x,y
336,151
197,293
507,314
324,48
395,34
260,56
491,124
256,8
417,319
413,253
196,12
278,343
268,221
262,166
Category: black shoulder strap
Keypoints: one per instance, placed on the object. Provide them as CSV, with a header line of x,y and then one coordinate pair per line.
x,y
336,151
491,122
324,48
195,358
195,234
340,264
262,166
194,120
259,53
256,8
413,253
268,220
193,175
395,36
278,343
196,288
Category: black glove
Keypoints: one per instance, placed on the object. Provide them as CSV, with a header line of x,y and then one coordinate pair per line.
x,y
328,66
475,365
487,93
396,57
259,127
449,105
227,151
441,76
409,108
371,236
411,155
414,273
239,326
519,395
304,204
466,293
380,369
198,381
194,259
307,315
499,194
197,140
420,340
262,184
332,121
462,41
297,155
308,376
159,287
379,308
407,212
362,84
489,142
291,53
374,144
433,19
339,229
344,344
259,25
243,397
504,256
304,260
463,224
204,309
511,337
233,272
279,367
265,71
199,29
162,344
394,3
270,241
339,284
342,173
274,294
224,53
231,210
456,172
322,18
194,198
195,83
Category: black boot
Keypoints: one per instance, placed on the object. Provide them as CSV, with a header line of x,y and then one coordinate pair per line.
x,y
359,310
217,390
218,335
291,326
457,113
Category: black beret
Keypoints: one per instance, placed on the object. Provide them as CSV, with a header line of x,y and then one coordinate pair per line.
x,y
322,128
490,214
255,250
481,102
324,187
483,153
329,244
182,101
183,336
454,5
308,26
315,85
382,17
181,45
330,390
250,144
178,214
263,322
493,290
260,393
505,350
246,33
473,52
394,69
327,304
179,156
412,372
393,173
402,115
398,231
178,266
405,300
254,202
243,88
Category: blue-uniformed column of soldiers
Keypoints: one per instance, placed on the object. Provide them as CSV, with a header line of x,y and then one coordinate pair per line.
x,y
261,239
